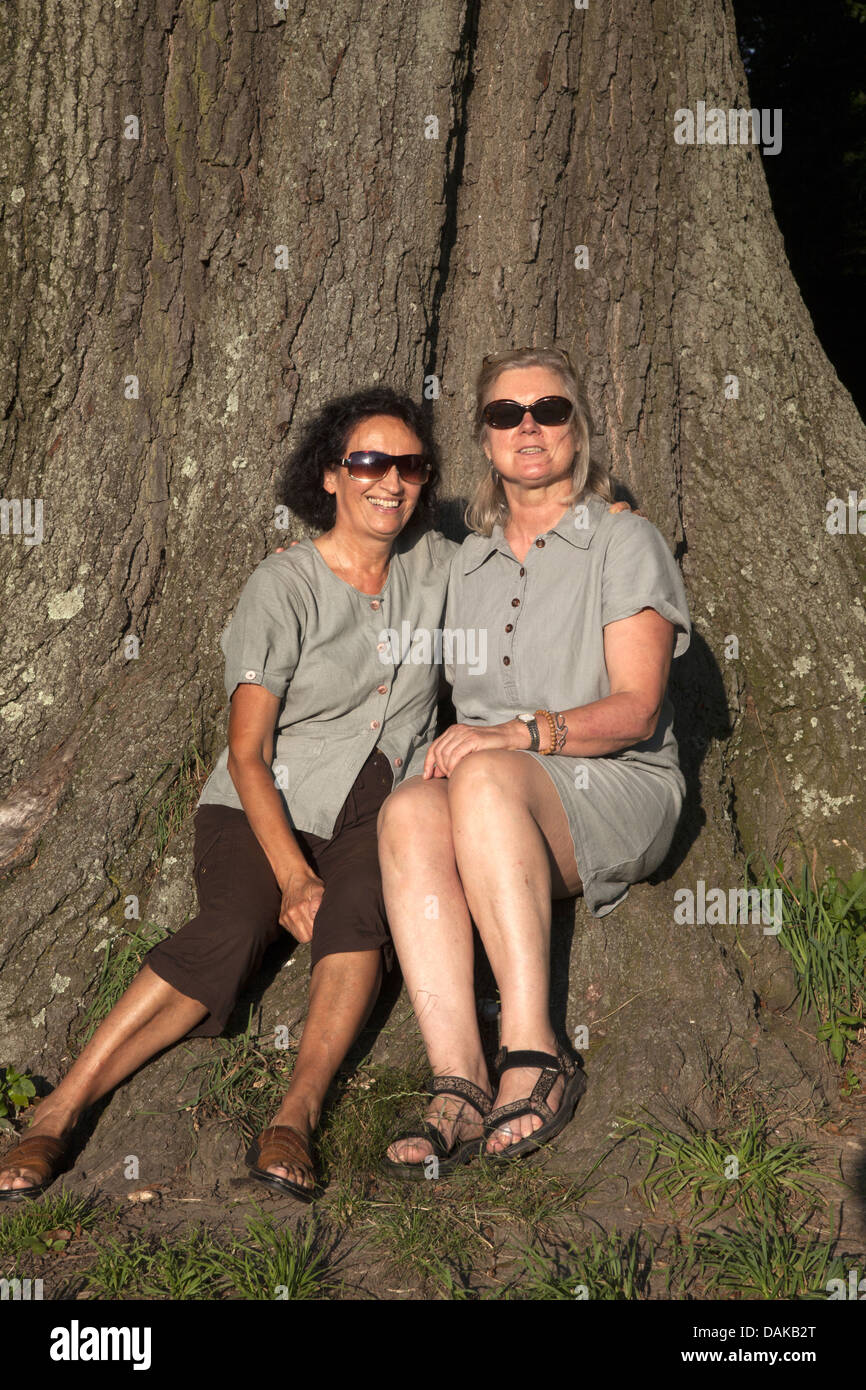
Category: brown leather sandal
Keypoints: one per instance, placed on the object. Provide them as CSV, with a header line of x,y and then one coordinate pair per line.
x,y
286,1146
40,1152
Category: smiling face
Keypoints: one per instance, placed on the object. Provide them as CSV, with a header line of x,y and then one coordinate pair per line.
x,y
384,507
530,454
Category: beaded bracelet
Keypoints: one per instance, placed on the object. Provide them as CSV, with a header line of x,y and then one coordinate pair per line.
x,y
546,714
558,731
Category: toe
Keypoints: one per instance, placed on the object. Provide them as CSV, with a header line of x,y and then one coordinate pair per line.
x,y
500,1139
295,1175
409,1152
13,1179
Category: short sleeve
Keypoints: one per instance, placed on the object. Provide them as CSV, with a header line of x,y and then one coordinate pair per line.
x,y
640,572
262,642
442,550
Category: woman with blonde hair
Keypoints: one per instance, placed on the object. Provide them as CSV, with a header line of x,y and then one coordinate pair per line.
x,y
582,616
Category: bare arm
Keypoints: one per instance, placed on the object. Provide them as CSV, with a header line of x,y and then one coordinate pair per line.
x,y
251,749
637,653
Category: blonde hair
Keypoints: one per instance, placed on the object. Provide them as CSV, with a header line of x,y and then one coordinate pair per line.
x,y
489,505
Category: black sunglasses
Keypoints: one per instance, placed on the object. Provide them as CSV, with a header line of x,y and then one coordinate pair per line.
x,y
371,465
506,415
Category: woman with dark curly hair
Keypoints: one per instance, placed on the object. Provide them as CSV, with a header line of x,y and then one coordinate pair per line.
x,y
325,719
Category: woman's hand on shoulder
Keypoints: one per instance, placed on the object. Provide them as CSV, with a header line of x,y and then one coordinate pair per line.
x,y
623,507
449,748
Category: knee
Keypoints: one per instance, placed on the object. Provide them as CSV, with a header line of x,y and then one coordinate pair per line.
x,y
407,808
488,768
391,815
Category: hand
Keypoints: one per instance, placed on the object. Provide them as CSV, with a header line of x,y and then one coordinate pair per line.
x,y
302,894
614,507
445,752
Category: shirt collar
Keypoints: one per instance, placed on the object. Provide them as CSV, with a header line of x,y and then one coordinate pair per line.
x,y
577,525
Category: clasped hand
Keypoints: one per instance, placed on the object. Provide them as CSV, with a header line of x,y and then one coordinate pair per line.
x,y
302,895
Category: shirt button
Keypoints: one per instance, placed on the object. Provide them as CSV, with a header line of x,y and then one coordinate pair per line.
x,y
515,603
374,723
506,661
522,572
375,603
382,689
508,627
381,646
249,675
398,762
540,544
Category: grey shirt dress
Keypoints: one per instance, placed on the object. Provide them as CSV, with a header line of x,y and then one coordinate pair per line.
x,y
544,622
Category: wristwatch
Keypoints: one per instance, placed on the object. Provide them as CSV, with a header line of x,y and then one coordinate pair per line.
x,y
532,725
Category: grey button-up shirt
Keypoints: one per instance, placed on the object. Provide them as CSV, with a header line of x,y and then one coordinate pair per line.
x,y
353,671
544,619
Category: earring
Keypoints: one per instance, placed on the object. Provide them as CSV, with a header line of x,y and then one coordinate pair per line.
x,y
494,476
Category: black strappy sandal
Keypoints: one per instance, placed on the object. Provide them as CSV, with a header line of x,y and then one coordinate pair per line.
x,y
447,1157
536,1103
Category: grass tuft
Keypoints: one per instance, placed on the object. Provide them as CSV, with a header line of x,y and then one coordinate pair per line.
x,y
243,1081
178,801
612,1268
25,1226
824,933
185,1267
271,1262
741,1169
759,1261
278,1263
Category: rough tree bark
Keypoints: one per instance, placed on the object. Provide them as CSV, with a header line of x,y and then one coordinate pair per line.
x,y
407,252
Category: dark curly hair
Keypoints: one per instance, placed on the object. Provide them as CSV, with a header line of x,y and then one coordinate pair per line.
x,y
323,442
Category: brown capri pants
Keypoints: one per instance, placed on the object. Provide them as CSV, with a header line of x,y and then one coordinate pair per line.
x,y
214,954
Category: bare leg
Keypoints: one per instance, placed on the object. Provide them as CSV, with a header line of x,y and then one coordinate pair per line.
x,y
432,932
150,1016
528,856
343,989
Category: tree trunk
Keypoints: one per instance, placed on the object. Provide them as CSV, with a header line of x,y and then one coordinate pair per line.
x,y
408,251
